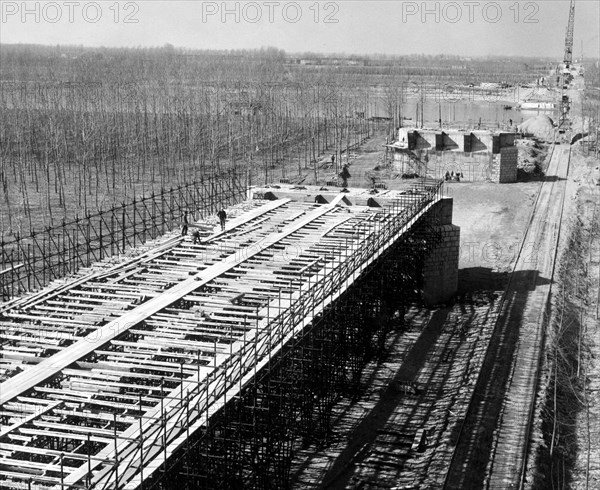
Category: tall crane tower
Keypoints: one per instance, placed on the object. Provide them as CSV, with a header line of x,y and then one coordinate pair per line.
x,y
566,72
569,37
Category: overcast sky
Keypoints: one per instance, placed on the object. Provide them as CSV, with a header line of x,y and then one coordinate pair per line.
x,y
471,28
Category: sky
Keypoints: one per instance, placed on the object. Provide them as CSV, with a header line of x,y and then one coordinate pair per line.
x,y
394,27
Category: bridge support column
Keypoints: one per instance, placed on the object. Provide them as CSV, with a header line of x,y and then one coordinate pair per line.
x,y
440,268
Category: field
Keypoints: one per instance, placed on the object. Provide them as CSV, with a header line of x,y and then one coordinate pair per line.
x,y
86,129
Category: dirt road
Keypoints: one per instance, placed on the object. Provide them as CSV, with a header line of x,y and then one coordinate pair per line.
x,y
493,443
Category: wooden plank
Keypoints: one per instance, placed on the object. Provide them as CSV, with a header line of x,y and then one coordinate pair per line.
x,y
84,302
48,319
67,435
78,398
20,463
29,418
12,269
52,452
34,477
80,294
81,429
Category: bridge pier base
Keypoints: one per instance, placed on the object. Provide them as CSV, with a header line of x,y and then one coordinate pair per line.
x,y
440,268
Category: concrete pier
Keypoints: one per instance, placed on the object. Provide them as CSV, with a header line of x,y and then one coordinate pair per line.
x,y
440,269
476,156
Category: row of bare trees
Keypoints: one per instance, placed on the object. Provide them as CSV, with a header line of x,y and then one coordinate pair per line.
x,y
87,128
81,131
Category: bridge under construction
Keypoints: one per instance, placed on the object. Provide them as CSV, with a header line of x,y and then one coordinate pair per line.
x,y
202,363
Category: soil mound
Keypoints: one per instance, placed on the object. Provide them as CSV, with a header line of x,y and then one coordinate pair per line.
x,y
541,127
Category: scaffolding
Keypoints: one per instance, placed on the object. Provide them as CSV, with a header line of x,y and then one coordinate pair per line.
x,y
32,261
203,364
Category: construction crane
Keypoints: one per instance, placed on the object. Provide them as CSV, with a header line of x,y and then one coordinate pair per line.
x,y
566,72
569,37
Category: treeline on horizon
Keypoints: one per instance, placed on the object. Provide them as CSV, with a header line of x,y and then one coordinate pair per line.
x,y
11,53
266,51
40,64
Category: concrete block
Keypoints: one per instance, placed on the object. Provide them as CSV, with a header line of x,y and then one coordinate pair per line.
x,y
508,165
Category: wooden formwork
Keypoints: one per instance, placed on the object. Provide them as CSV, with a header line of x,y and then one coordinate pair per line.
x,y
107,375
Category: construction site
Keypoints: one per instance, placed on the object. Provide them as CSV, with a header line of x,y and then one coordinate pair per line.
x,y
417,308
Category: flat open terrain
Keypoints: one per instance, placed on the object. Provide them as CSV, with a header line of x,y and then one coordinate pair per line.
x,y
492,220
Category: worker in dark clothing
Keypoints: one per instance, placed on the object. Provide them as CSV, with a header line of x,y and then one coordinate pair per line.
x,y
222,218
332,159
196,237
345,175
184,225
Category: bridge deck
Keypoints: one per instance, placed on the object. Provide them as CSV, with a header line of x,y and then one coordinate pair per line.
x,y
104,376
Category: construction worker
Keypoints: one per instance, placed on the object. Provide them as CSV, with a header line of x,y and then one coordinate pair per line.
x,y
184,225
345,175
196,237
222,218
